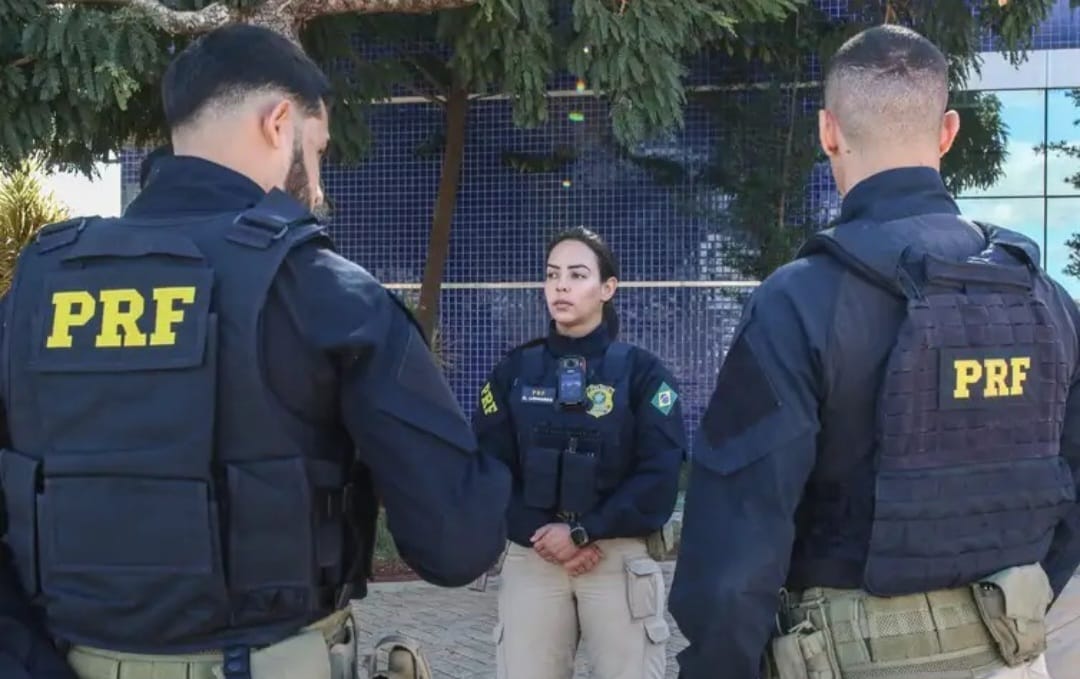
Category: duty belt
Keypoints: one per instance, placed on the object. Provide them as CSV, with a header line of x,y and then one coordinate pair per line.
x,y
96,663
859,636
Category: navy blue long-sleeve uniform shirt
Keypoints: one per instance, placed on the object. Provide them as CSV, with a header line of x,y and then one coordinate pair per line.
x,y
643,500
769,419
334,348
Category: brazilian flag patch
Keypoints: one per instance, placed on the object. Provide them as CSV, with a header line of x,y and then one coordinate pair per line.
x,y
664,398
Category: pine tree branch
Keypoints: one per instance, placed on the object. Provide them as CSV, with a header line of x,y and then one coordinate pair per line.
x,y
177,22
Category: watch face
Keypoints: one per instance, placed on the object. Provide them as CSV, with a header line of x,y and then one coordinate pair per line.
x,y
577,534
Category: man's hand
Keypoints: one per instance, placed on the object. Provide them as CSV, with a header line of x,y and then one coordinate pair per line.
x,y
553,543
584,561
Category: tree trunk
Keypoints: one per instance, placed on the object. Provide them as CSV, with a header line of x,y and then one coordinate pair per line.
x,y
457,111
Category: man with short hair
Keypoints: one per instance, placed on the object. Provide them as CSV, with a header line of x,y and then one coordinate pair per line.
x,y
885,477
201,400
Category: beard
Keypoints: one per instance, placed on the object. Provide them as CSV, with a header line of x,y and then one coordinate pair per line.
x,y
296,181
298,186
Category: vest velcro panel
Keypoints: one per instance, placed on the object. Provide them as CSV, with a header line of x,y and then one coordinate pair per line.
x,y
969,480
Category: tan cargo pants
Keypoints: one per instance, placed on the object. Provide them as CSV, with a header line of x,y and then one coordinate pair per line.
x,y
617,609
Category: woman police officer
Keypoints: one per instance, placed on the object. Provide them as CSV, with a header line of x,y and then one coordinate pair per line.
x,y
593,432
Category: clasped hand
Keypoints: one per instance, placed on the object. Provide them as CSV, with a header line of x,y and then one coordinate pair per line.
x,y
553,543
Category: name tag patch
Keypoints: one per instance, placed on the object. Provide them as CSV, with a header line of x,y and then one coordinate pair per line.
x,y
537,395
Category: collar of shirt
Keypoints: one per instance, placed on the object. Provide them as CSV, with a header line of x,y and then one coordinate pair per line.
x,y
593,344
895,194
187,185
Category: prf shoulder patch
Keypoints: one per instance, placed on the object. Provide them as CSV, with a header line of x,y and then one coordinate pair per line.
x,y
487,400
664,398
977,378
123,321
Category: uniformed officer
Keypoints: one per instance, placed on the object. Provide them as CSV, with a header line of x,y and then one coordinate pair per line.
x,y
592,429
892,431
201,401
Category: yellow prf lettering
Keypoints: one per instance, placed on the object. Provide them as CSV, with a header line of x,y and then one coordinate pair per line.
x,y
968,372
997,372
167,316
1020,366
114,319
65,317
487,400
121,309
1001,376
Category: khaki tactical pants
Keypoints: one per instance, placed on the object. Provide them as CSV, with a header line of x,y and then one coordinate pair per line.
x,y
617,609
323,650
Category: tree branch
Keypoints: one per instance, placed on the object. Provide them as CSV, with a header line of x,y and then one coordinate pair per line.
x,y
423,66
309,9
284,16
793,104
177,22
358,65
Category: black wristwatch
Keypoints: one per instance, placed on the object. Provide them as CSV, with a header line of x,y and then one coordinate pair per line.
x,y
578,534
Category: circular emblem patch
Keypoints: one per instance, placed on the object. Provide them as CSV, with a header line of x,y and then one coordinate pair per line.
x,y
601,399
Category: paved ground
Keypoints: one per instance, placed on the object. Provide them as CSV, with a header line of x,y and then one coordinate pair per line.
x,y
455,625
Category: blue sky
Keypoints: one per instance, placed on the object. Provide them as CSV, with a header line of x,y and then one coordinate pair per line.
x,y
1016,201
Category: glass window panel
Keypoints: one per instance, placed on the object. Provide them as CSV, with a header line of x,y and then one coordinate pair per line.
x,y
1023,215
1023,113
1062,222
1063,126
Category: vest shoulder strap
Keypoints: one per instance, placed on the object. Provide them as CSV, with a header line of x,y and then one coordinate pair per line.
x,y
61,234
276,217
617,361
532,361
859,246
1019,246
886,258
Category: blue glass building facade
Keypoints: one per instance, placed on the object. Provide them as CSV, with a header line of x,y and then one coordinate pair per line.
x,y
679,299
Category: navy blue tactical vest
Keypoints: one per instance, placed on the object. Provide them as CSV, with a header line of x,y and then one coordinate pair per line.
x,y
159,498
572,459
967,476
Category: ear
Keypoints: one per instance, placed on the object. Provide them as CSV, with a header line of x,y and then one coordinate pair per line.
x,y
950,127
828,133
607,290
276,123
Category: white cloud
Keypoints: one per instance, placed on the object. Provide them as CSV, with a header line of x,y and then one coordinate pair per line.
x,y
1059,169
1022,173
1024,215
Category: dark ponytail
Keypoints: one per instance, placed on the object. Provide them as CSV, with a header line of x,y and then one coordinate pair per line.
x,y
609,266
611,319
